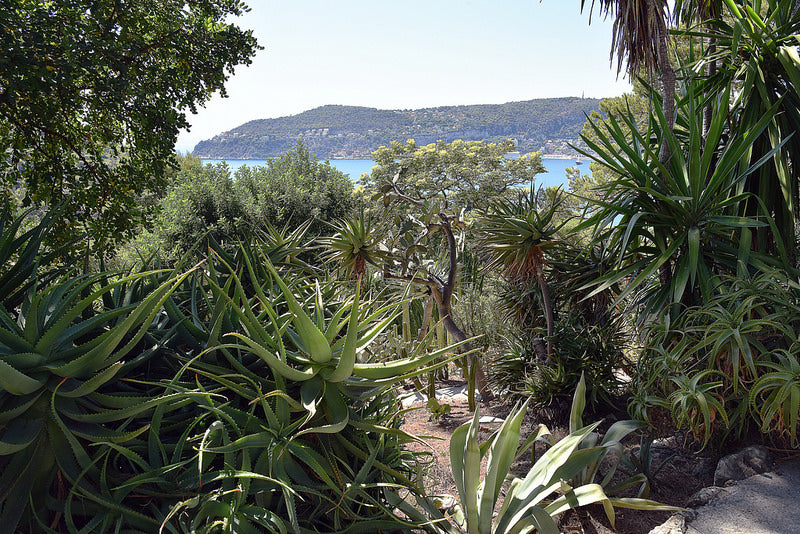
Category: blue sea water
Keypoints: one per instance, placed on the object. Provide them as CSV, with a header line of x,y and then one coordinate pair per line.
x,y
556,168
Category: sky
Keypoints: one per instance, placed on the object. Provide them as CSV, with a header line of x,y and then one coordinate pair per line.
x,y
410,54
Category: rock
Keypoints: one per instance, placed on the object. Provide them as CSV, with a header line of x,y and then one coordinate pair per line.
x,y
705,468
705,496
489,419
674,525
445,503
749,461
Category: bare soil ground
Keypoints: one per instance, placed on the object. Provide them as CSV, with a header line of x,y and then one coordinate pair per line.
x,y
686,472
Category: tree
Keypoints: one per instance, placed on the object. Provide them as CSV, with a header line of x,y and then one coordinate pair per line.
x,y
640,39
516,235
290,191
461,174
93,94
435,186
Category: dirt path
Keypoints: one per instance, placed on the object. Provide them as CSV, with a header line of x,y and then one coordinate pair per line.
x,y
682,475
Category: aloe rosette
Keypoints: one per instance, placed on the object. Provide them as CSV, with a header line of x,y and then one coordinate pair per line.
x,y
294,418
57,360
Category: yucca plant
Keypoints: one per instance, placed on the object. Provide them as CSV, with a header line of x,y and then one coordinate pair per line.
x,y
674,228
60,362
755,50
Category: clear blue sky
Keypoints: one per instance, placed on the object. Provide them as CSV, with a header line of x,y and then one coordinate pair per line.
x,y
410,54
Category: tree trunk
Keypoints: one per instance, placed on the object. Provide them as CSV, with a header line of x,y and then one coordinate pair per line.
x,y
667,81
443,303
548,311
426,318
458,336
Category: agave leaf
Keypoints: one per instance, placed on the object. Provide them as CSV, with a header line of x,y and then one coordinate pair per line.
x,y
501,456
580,496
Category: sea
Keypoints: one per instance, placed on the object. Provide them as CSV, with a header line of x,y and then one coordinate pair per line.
x,y
556,168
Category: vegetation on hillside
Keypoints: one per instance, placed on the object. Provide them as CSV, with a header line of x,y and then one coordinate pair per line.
x,y
355,132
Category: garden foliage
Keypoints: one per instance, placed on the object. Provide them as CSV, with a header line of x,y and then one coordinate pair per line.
x,y
232,396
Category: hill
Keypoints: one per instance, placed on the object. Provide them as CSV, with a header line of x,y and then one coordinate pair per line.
x,y
354,132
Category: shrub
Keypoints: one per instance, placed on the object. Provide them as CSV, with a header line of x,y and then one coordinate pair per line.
x,y
726,364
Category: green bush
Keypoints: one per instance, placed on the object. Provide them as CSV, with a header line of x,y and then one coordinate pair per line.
x,y
205,204
729,366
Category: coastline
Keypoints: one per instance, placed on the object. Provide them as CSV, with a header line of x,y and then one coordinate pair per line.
x,y
566,156
544,156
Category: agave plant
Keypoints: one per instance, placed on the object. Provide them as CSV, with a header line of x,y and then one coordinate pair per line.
x,y
532,502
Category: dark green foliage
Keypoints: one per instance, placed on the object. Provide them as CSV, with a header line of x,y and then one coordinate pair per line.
x,y
294,188
206,203
350,131
578,347
94,95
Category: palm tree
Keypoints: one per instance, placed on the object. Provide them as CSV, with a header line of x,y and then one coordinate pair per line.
x,y
640,34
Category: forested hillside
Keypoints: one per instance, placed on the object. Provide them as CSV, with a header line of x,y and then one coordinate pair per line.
x,y
351,131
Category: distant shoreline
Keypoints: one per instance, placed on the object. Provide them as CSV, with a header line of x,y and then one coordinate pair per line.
x,y
544,156
564,156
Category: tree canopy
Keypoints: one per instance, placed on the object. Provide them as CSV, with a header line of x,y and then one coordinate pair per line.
x,y
93,94
289,192
462,174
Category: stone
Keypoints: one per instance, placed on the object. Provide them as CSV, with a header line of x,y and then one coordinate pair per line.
x,y
749,461
705,496
674,525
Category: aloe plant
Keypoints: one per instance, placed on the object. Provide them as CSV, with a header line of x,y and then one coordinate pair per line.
x,y
355,244
775,396
294,422
59,362
23,264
